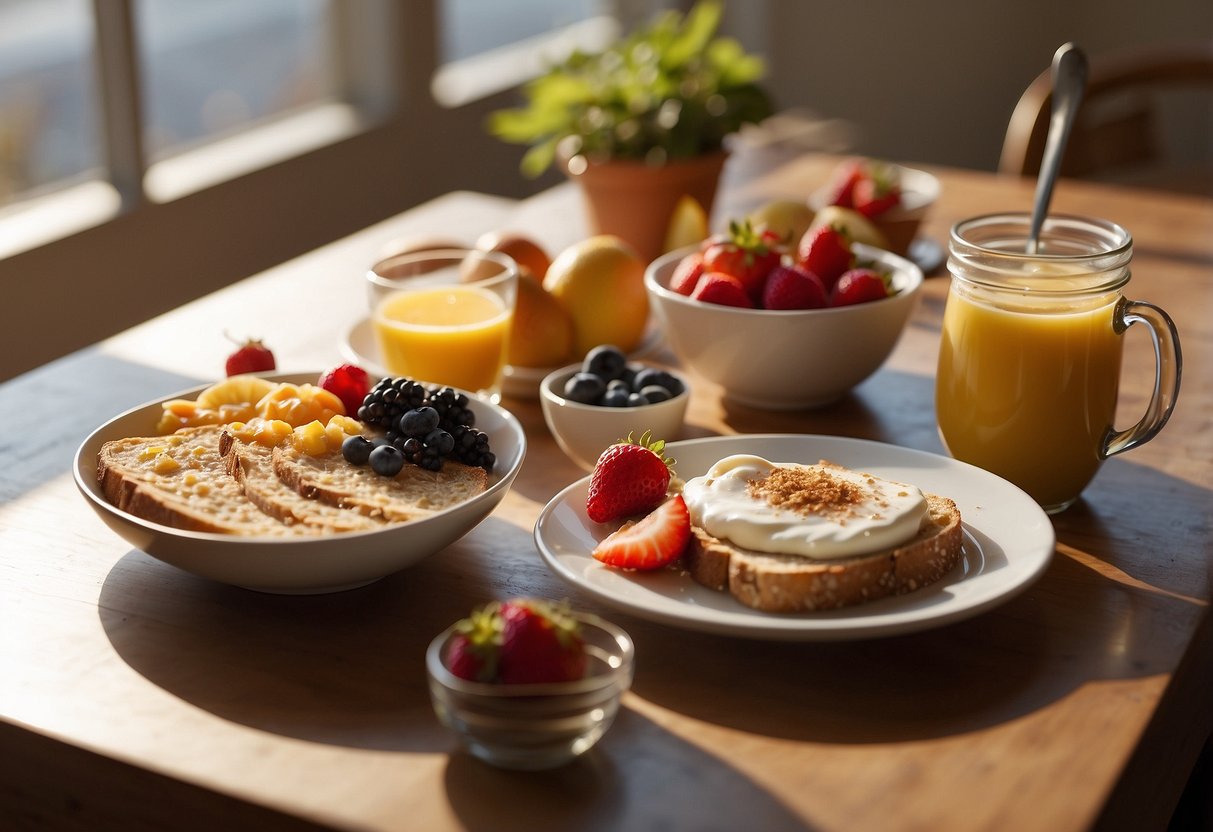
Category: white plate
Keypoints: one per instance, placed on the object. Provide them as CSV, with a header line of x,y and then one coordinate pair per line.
x,y
299,565
359,347
1008,542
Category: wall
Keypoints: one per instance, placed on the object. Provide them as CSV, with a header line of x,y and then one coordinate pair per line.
x,y
936,80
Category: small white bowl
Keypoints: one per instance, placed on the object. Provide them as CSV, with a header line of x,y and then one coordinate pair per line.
x,y
305,565
584,431
541,726
784,359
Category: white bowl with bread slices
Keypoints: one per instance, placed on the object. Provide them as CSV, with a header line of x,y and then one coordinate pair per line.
x,y
235,511
973,541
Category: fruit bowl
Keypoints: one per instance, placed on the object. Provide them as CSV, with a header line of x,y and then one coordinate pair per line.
x,y
899,225
303,565
535,726
584,431
784,359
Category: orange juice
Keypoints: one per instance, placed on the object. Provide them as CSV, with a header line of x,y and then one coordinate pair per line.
x,y
452,335
1029,393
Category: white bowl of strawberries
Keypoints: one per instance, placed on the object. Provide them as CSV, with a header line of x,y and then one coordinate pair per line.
x,y
781,326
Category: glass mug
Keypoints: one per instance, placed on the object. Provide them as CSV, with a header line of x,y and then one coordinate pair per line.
x,y
444,316
1030,355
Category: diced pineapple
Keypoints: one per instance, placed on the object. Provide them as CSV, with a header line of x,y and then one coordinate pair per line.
x,y
299,404
151,452
310,439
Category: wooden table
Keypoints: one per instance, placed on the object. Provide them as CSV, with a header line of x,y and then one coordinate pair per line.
x,y
133,695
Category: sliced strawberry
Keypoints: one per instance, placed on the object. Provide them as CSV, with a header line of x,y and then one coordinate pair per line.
x,y
723,289
791,287
826,252
629,478
657,539
687,273
842,188
859,286
540,643
876,195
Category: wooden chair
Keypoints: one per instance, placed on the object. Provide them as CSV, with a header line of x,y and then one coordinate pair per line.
x,y
1117,127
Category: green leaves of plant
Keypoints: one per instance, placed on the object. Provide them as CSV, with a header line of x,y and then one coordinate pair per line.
x,y
668,91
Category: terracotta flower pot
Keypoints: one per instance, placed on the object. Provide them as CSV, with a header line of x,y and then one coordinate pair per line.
x,y
634,201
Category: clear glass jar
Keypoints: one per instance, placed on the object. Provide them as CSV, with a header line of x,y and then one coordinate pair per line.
x,y
1030,356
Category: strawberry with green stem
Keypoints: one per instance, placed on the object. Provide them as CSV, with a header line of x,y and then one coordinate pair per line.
x,y
630,477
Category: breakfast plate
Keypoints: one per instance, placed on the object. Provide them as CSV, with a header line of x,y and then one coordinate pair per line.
x,y
305,564
359,347
1008,543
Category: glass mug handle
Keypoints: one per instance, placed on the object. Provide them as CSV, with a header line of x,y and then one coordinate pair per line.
x,y
1168,367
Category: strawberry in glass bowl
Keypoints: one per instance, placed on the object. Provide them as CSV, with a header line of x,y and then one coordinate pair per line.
x,y
529,684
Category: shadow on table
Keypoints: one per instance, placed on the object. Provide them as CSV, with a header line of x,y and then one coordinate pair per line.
x,y
636,770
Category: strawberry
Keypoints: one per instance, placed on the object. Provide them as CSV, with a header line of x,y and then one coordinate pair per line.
x,y
629,478
252,357
348,382
842,188
877,193
723,289
540,643
687,273
859,286
826,252
473,650
746,255
657,539
791,287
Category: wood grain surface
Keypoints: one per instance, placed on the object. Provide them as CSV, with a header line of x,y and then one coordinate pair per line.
x,y
134,695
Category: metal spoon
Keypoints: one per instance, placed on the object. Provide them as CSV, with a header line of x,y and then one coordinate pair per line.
x,y
1069,81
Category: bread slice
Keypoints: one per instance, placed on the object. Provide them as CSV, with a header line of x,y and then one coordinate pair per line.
x,y
252,465
182,480
411,494
791,583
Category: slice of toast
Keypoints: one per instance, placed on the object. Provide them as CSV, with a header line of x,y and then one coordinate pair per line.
x,y
792,583
252,465
181,480
411,494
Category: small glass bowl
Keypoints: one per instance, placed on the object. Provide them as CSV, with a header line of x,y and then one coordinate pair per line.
x,y
532,727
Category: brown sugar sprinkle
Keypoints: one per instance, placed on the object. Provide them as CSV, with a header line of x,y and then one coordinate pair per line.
x,y
807,491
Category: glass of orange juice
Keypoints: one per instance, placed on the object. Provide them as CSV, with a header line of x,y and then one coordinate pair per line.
x,y
443,316
1030,356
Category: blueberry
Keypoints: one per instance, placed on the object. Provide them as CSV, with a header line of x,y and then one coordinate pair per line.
x,y
650,376
419,421
440,441
585,388
616,396
386,461
356,450
619,384
653,393
606,361
636,400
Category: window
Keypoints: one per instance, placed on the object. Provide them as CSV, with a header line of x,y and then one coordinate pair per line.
x,y
48,118
175,146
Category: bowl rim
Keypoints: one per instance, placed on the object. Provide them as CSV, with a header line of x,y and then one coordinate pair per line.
x,y
901,265
547,390
438,672
91,443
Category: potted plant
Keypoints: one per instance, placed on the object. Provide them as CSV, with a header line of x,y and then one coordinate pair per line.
x,y
643,122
